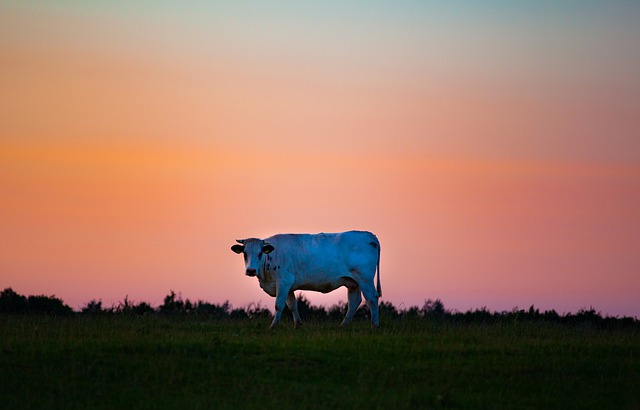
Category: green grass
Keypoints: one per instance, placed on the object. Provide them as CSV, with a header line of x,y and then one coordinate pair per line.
x,y
195,362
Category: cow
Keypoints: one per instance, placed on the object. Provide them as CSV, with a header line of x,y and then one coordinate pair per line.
x,y
320,262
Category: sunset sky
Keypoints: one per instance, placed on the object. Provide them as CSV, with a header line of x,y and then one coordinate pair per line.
x,y
493,147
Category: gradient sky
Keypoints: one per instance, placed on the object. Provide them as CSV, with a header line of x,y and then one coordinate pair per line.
x,y
493,147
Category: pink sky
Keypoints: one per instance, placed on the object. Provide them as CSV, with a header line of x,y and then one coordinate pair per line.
x,y
494,150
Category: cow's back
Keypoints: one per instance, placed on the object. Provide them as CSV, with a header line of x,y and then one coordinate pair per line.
x,y
343,241
325,251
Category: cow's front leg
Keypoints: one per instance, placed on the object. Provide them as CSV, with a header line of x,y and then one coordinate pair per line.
x,y
282,292
292,303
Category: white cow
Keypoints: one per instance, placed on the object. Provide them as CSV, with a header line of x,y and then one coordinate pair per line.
x,y
321,262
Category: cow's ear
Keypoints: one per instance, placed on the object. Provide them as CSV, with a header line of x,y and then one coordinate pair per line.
x,y
267,248
237,248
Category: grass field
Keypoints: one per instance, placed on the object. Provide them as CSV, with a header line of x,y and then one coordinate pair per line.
x,y
197,362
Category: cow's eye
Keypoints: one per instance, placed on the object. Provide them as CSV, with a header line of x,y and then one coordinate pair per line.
x,y
245,256
260,255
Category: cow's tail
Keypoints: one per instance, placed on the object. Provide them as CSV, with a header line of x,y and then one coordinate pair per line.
x,y
378,288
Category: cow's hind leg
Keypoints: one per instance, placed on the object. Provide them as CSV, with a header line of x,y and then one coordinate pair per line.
x,y
371,296
354,296
292,303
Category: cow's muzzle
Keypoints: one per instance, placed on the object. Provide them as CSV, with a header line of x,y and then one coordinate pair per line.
x,y
251,272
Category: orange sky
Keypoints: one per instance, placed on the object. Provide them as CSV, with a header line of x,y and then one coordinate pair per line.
x,y
493,151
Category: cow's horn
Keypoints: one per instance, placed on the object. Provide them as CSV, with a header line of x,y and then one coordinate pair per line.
x,y
240,241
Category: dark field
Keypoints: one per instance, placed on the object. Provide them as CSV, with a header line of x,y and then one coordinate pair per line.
x,y
199,362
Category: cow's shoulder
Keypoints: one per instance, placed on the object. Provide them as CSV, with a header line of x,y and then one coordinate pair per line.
x,y
285,239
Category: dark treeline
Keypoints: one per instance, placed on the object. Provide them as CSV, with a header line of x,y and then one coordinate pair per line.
x,y
14,303
11,302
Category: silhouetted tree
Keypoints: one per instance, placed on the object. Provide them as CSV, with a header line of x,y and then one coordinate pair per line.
x,y
433,309
588,318
551,316
480,316
188,307
11,302
413,312
306,310
142,308
388,311
125,307
129,307
171,305
338,311
48,305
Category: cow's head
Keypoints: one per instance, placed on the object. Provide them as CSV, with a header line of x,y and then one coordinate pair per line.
x,y
253,250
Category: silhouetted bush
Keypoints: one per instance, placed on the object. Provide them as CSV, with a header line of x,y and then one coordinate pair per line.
x,y
306,310
256,310
94,307
238,314
216,311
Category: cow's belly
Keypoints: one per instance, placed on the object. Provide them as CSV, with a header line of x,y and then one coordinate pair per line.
x,y
323,285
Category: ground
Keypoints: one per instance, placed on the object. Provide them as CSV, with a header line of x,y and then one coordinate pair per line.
x,y
198,362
